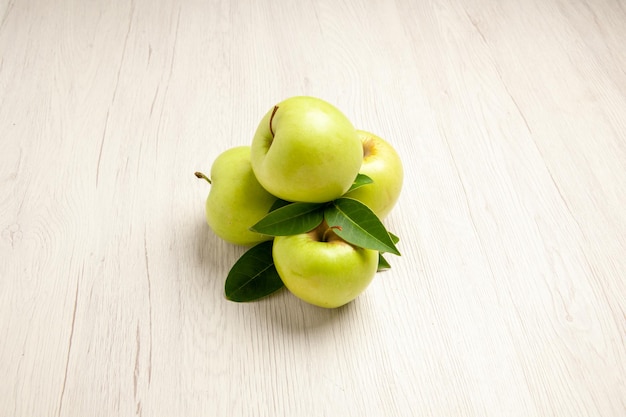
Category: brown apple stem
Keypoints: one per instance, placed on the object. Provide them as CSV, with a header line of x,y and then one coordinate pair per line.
x,y
331,229
272,118
204,177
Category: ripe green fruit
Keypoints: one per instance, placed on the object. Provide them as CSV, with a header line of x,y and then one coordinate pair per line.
x,y
236,200
321,268
306,150
382,164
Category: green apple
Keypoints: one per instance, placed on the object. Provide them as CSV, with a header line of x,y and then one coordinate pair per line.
x,y
306,150
236,200
382,164
323,269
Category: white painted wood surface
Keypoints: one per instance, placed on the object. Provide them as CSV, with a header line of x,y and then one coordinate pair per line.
x,y
510,296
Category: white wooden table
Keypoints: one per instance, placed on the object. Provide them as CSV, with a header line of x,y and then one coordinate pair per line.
x,y
510,296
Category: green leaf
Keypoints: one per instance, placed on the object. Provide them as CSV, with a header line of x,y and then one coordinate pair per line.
x,y
278,204
394,238
253,276
356,223
382,262
291,219
361,180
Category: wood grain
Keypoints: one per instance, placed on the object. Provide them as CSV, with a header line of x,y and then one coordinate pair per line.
x,y
509,299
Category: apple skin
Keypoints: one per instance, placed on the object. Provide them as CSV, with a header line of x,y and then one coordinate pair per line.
x,y
328,273
382,164
310,154
236,200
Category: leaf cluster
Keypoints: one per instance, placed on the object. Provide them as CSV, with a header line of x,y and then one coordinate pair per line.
x,y
254,276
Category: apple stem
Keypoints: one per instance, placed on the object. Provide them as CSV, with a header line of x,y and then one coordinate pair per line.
x,y
330,229
272,118
204,177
